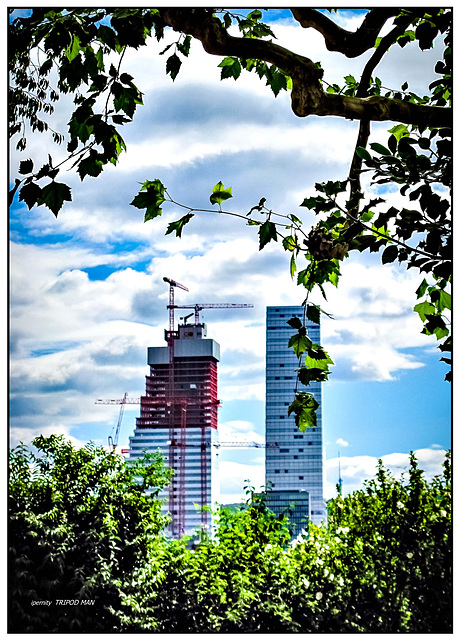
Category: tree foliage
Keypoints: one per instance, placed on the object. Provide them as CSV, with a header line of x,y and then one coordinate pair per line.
x,y
83,528
85,49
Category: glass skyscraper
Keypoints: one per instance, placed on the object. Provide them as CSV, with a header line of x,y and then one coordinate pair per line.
x,y
294,460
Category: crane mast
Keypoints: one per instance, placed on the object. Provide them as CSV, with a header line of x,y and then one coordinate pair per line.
x,y
176,499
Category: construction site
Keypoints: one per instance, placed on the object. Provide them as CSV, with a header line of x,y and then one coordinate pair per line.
x,y
179,418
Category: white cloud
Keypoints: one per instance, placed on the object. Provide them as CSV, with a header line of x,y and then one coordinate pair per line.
x,y
234,477
356,469
342,443
235,139
239,431
26,435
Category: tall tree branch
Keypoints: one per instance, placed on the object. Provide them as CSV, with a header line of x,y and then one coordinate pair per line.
x,y
364,128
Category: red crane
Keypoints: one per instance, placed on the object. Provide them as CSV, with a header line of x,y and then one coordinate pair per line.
x,y
176,499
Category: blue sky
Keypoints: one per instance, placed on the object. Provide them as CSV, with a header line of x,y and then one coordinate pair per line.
x,y
87,295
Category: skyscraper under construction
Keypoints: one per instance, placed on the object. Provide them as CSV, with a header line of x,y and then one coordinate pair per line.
x,y
179,417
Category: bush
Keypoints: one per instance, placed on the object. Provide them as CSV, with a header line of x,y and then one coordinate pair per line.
x,y
82,527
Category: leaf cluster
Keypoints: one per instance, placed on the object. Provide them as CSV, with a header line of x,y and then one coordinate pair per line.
x,y
81,46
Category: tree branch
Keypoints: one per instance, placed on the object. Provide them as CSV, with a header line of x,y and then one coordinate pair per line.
x,y
364,129
308,97
377,56
351,44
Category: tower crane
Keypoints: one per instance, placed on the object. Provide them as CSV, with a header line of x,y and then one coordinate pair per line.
x,y
113,442
176,503
235,444
199,307
171,305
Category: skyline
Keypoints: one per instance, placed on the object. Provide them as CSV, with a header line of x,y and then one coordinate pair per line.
x,y
87,295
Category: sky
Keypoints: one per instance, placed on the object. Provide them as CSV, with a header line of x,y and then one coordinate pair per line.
x,y
87,296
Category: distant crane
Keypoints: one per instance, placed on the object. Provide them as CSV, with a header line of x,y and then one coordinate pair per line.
x,y
236,444
113,442
171,305
200,307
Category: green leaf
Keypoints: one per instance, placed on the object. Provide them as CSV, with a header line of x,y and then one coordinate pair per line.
x,y
421,290
74,48
399,131
390,254
363,153
300,344
295,323
26,166
277,82
150,197
53,196
30,193
313,313
126,78
92,165
333,275
173,64
179,225
255,15
442,300
317,358
379,148
436,325
184,47
220,194
227,62
313,374
293,267
289,243
304,407
100,59
267,232
81,131
367,216
424,309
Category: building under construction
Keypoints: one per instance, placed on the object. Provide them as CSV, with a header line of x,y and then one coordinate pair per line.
x,y
179,417
183,428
